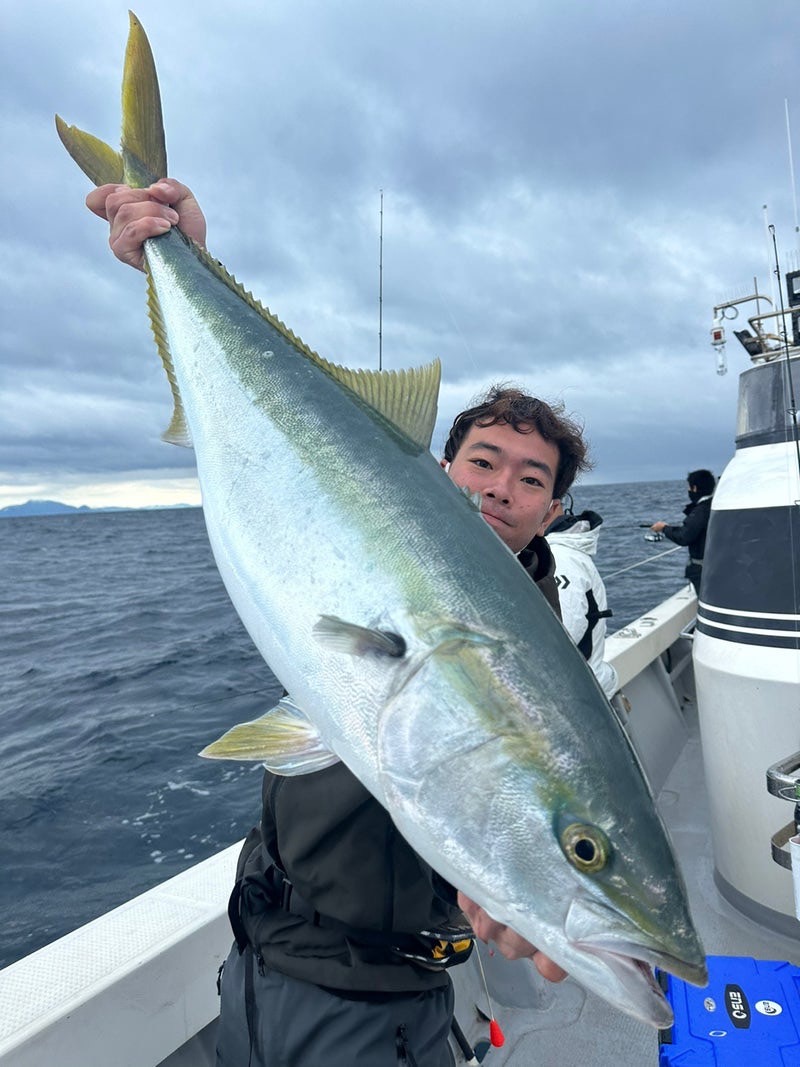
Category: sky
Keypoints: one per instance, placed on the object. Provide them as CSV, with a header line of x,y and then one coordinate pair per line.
x,y
569,187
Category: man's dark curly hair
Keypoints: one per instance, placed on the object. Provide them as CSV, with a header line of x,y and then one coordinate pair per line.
x,y
703,480
524,412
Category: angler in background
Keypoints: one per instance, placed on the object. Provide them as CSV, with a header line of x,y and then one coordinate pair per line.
x,y
692,532
343,933
581,591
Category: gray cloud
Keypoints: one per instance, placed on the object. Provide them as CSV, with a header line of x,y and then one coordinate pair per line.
x,y
569,188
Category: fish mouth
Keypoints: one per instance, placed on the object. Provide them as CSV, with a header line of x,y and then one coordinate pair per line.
x,y
630,954
635,976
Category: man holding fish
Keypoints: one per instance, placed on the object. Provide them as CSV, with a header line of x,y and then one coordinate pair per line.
x,y
391,996
442,729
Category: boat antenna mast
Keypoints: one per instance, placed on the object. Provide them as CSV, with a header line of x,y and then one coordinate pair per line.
x,y
791,177
380,293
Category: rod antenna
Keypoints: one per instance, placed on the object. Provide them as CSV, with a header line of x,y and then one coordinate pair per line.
x,y
791,175
380,294
768,230
792,170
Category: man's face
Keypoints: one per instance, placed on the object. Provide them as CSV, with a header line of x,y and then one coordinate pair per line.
x,y
514,473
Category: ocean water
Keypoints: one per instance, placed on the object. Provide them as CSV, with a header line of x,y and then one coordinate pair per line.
x,y
121,657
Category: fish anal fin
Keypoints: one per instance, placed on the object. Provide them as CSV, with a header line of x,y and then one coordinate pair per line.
x,y
284,740
177,433
406,400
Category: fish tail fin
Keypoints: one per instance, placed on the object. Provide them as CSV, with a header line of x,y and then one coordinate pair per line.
x,y
143,156
141,161
99,161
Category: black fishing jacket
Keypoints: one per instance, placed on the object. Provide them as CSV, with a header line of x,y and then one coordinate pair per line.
x,y
329,892
692,532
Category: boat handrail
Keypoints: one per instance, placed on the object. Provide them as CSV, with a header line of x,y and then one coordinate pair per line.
x,y
128,988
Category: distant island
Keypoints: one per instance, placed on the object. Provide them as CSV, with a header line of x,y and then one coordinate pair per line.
x,y
55,507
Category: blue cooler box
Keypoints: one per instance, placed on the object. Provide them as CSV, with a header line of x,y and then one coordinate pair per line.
x,y
748,1014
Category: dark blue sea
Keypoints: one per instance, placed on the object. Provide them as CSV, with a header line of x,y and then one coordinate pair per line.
x,y
121,657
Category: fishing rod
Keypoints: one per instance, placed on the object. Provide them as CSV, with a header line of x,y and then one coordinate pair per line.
x,y
793,428
792,409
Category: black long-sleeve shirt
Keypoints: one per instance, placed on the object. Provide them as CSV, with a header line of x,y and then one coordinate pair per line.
x,y
692,532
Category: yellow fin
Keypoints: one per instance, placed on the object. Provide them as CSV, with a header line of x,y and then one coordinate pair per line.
x,y
284,740
177,433
143,159
99,161
405,398
144,152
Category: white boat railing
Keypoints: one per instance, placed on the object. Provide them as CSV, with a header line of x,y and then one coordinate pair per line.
x,y
129,988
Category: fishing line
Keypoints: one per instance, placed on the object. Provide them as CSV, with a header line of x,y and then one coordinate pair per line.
x,y
230,696
642,562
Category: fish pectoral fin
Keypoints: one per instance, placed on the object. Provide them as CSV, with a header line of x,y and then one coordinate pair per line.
x,y
284,740
353,640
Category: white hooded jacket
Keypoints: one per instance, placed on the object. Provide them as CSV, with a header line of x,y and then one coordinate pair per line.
x,y
582,594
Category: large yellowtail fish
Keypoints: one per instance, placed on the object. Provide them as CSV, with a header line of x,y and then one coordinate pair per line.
x,y
411,644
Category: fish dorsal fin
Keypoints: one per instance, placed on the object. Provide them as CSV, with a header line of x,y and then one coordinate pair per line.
x,y
475,498
405,398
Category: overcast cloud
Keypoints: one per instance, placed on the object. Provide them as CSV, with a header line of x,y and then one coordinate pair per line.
x,y
569,185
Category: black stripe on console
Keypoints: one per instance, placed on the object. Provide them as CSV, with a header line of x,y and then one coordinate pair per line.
x,y
750,622
740,637
752,562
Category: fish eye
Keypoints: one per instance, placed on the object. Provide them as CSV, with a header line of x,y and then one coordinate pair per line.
x,y
586,847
